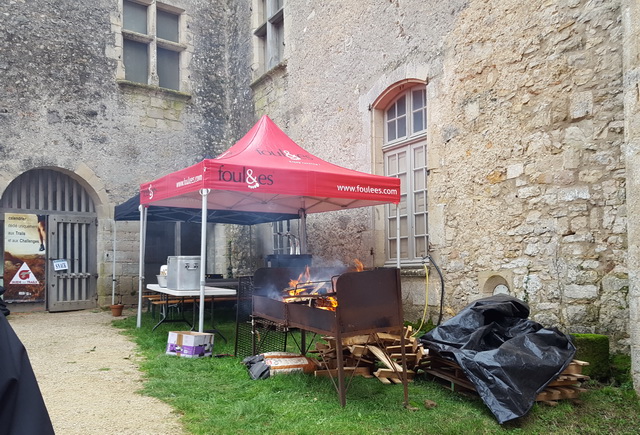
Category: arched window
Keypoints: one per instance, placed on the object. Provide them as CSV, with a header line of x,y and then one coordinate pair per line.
x,y
405,156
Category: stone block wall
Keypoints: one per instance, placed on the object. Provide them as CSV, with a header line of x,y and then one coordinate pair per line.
x,y
526,134
64,104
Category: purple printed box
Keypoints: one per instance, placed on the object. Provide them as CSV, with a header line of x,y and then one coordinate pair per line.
x,y
190,344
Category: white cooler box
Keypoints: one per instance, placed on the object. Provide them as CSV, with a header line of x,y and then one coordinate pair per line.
x,y
183,272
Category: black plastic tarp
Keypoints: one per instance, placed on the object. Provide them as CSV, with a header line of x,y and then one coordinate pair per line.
x,y
507,357
128,211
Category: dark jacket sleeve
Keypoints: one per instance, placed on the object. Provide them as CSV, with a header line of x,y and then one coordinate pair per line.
x,y
22,408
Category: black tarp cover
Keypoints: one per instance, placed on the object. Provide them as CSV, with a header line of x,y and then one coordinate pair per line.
x,y
128,211
22,409
507,357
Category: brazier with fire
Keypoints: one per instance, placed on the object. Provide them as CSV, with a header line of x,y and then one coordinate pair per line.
x,y
338,305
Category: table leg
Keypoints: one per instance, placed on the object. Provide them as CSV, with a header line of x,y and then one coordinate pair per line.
x,y
164,315
213,329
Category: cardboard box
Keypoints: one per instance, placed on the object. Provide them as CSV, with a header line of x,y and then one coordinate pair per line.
x,y
190,344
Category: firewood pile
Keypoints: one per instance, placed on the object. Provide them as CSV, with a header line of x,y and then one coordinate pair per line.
x,y
566,386
376,355
379,355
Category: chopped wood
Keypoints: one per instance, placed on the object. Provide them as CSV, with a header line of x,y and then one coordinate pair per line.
x,y
391,374
358,350
356,339
580,363
368,350
357,371
383,336
385,381
575,367
398,349
384,358
565,386
322,346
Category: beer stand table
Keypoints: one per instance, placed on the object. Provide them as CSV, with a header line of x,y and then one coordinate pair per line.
x,y
165,294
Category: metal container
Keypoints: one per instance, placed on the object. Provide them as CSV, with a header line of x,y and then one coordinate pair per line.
x,y
183,272
162,280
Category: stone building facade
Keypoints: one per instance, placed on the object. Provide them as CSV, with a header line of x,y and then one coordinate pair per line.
x,y
530,138
68,107
531,126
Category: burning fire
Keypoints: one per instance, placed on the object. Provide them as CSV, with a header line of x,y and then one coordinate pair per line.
x,y
304,289
359,265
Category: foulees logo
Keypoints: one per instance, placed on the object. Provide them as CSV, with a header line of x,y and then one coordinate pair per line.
x,y
283,153
245,175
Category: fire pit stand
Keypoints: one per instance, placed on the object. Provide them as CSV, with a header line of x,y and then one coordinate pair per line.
x,y
368,302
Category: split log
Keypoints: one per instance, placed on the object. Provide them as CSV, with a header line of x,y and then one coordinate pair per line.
x,y
384,358
356,371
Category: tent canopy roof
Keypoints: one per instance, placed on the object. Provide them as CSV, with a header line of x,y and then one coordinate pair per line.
x,y
266,171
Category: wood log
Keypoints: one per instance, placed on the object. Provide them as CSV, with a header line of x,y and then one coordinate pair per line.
x,y
384,358
384,337
356,339
391,374
358,350
357,371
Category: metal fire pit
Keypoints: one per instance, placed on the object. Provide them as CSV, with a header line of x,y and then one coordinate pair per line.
x,y
368,301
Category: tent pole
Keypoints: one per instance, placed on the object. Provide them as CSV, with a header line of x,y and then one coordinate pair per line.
x,y
203,256
113,265
143,230
398,235
303,230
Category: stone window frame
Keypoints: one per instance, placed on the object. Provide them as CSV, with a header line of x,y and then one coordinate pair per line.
x,y
183,47
268,35
416,242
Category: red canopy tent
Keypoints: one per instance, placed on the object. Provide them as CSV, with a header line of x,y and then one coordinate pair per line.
x,y
266,171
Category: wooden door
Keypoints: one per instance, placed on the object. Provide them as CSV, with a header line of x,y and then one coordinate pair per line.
x,y
71,238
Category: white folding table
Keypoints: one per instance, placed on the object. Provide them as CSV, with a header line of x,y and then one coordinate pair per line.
x,y
166,293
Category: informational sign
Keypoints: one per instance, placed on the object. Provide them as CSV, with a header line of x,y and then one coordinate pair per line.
x,y
60,265
24,257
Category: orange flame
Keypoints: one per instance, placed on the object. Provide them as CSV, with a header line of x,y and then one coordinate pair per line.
x,y
328,303
301,285
303,278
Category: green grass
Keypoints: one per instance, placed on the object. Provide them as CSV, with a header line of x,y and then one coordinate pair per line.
x,y
216,395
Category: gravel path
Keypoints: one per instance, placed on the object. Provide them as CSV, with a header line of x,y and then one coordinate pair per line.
x,y
88,374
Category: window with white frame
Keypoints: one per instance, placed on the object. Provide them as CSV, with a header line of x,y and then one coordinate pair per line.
x,y
152,43
269,33
405,157
281,239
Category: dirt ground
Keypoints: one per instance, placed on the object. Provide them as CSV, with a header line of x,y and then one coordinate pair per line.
x,y
88,375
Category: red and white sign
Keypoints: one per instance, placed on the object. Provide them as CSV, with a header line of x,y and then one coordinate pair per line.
x,y
24,276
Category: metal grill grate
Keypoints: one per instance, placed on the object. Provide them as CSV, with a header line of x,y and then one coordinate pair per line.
x,y
267,336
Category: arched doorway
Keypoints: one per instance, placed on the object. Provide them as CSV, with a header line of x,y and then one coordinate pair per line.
x,y
65,257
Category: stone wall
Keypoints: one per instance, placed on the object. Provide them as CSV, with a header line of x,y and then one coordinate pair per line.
x,y
533,179
526,125
630,12
63,104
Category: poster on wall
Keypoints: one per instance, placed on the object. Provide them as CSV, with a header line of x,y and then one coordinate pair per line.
x,y
24,257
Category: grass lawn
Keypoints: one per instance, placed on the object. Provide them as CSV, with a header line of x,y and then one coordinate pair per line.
x,y
216,395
